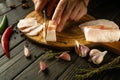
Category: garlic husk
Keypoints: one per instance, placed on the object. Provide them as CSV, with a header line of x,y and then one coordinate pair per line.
x,y
81,50
98,58
26,52
65,56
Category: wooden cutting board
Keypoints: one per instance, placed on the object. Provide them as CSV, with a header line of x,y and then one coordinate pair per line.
x,y
66,38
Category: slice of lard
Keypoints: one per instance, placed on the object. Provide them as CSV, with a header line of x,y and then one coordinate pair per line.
x,y
104,22
101,31
100,35
35,31
27,22
51,32
27,30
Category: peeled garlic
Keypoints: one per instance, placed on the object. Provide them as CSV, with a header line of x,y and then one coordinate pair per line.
x,y
26,52
81,50
98,57
65,56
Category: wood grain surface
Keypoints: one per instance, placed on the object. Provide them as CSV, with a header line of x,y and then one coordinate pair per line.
x,y
66,38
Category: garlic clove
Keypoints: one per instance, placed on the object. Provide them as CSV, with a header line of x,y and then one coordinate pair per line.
x,y
26,52
77,50
81,50
65,56
77,43
93,52
98,58
42,66
77,47
84,50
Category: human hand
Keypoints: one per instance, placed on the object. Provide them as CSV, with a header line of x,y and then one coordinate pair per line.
x,y
40,4
69,9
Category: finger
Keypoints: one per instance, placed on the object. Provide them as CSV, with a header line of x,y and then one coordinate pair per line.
x,y
66,15
50,7
59,10
75,10
40,4
85,2
34,1
81,13
37,5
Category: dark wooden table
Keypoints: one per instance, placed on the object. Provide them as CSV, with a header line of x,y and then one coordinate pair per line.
x,y
18,67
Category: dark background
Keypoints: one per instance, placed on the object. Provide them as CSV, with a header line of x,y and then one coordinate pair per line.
x,y
107,9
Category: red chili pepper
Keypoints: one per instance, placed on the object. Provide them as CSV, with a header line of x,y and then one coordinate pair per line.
x,y
5,40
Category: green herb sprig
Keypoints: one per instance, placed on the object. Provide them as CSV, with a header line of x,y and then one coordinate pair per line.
x,y
50,55
87,73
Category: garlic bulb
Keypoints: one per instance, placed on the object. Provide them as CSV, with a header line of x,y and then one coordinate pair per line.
x,y
81,50
98,57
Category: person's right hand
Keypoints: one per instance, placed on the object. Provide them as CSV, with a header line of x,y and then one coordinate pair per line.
x,y
65,10
40,4
69,9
